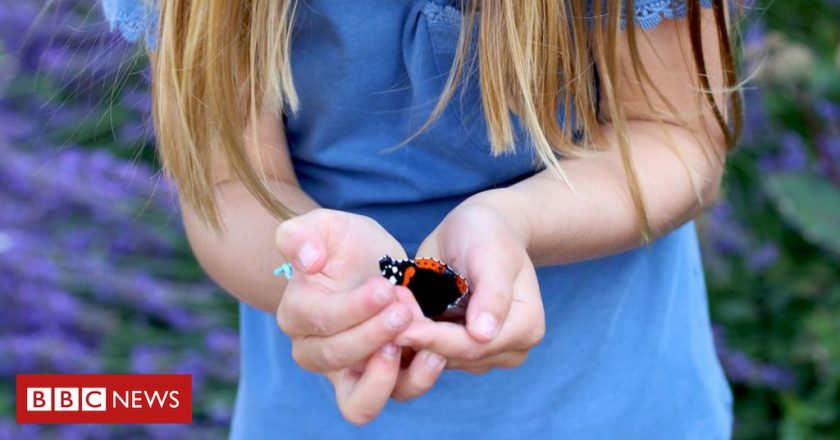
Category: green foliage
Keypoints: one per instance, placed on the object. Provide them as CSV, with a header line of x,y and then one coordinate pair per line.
x,y
810,204
772,247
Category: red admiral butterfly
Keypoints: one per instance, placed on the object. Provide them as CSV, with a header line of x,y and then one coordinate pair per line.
x,y
442,293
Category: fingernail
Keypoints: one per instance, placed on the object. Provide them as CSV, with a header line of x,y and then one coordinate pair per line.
x,y
397,318
486,325
433,360
382,293
389,350
307,256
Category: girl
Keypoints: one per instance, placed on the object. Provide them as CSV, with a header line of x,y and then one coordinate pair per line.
x,y
554,152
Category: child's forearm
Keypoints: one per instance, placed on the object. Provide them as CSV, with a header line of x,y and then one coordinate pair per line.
x,y
241,261
559,226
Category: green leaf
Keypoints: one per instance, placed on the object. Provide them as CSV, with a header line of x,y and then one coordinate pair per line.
x,y
810,204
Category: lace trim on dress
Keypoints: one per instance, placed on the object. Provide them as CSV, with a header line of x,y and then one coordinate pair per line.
x,y
648,14
133,19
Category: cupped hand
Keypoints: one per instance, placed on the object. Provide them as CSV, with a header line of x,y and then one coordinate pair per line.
x,y
505,316
339,312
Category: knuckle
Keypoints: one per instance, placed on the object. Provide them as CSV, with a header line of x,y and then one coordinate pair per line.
x,y
371,338
330,359
331,217
299,358
317,321
281,233
514,360
320,213
369,222
364,304
287,315
296,355
537,335
282,321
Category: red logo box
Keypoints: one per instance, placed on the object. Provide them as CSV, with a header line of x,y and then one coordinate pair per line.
x,y
104,398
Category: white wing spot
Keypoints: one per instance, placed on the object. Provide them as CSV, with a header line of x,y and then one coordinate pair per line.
x,y
393,280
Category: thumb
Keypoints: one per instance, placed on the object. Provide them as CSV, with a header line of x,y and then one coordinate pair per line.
x,y
302,244
492,294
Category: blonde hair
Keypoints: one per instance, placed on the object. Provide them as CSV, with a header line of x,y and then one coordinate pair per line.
x,y
533,55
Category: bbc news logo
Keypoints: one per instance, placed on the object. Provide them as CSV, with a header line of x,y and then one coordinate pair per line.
x,y
95,399
104,398
66,399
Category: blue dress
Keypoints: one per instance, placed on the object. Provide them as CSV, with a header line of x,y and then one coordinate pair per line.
x,y
628,351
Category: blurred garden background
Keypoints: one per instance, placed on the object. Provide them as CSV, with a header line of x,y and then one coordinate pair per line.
x,y
96,275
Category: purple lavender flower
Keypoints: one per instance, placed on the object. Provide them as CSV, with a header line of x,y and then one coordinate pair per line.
x,y
756,127
146,360
192,363
740,368
775,377
828,148
90,242
725,234
84,432
830,113
763,257
11,430
793,156
220,414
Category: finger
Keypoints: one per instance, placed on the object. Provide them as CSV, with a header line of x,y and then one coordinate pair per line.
x,y
307,309
361,398
447,339
302,243
507,360
419,377
405,296
493,277
359,367
344,349
523,329
477,371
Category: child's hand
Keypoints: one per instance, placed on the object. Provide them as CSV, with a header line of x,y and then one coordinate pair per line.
x,y
338,310
505,315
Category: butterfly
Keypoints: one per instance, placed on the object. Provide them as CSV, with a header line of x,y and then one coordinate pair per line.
x,y
441,292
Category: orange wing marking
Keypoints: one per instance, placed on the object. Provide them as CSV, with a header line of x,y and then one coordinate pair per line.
x,y
409,272
462,285
431,264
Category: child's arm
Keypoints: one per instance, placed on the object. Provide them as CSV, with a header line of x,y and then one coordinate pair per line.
x,y
541,221
337,314
560,226
241,261
331,326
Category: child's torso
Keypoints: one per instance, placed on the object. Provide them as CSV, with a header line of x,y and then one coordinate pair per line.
x,y
627,352
368,74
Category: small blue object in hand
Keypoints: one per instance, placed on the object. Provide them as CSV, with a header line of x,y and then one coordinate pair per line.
x,y
285,269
